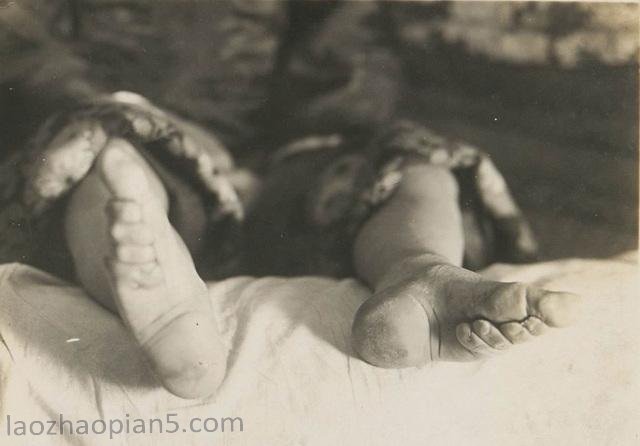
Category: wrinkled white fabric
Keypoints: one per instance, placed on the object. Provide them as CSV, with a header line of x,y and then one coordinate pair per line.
x,y
293,379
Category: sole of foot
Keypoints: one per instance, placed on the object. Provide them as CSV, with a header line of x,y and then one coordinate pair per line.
x,y
447,313
154,283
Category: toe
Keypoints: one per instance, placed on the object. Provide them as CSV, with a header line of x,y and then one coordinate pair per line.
x,y
556,309
535,326
135,253
121,274
147,275
515,332
505,302
124,211
128,276
472,341
131,233
490,334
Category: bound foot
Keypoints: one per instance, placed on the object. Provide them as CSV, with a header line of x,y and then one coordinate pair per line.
x,y
447,313
155,286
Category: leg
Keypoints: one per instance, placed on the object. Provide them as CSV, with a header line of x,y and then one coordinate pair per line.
x,y
425,305
129,258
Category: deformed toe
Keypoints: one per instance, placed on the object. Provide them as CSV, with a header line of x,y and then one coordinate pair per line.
x,y
515,332
471,341
121,274
490,334
125,211
135,253
559,309
133,276
481,327
148,275
535,326
131,233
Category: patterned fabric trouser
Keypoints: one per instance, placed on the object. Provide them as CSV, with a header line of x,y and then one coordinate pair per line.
x,y
316,195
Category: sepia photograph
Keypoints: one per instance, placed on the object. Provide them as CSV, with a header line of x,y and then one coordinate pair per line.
x,y
319,222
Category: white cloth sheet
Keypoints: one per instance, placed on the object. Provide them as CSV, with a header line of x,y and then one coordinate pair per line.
x,y
293,379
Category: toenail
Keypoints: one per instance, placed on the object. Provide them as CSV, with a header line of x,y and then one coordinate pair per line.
x,y
116,232
463,332
481,327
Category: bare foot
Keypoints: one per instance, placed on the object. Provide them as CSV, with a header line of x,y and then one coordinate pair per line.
x,y
447,313
155,286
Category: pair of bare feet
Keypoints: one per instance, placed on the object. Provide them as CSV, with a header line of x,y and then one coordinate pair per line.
x,y
433,311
